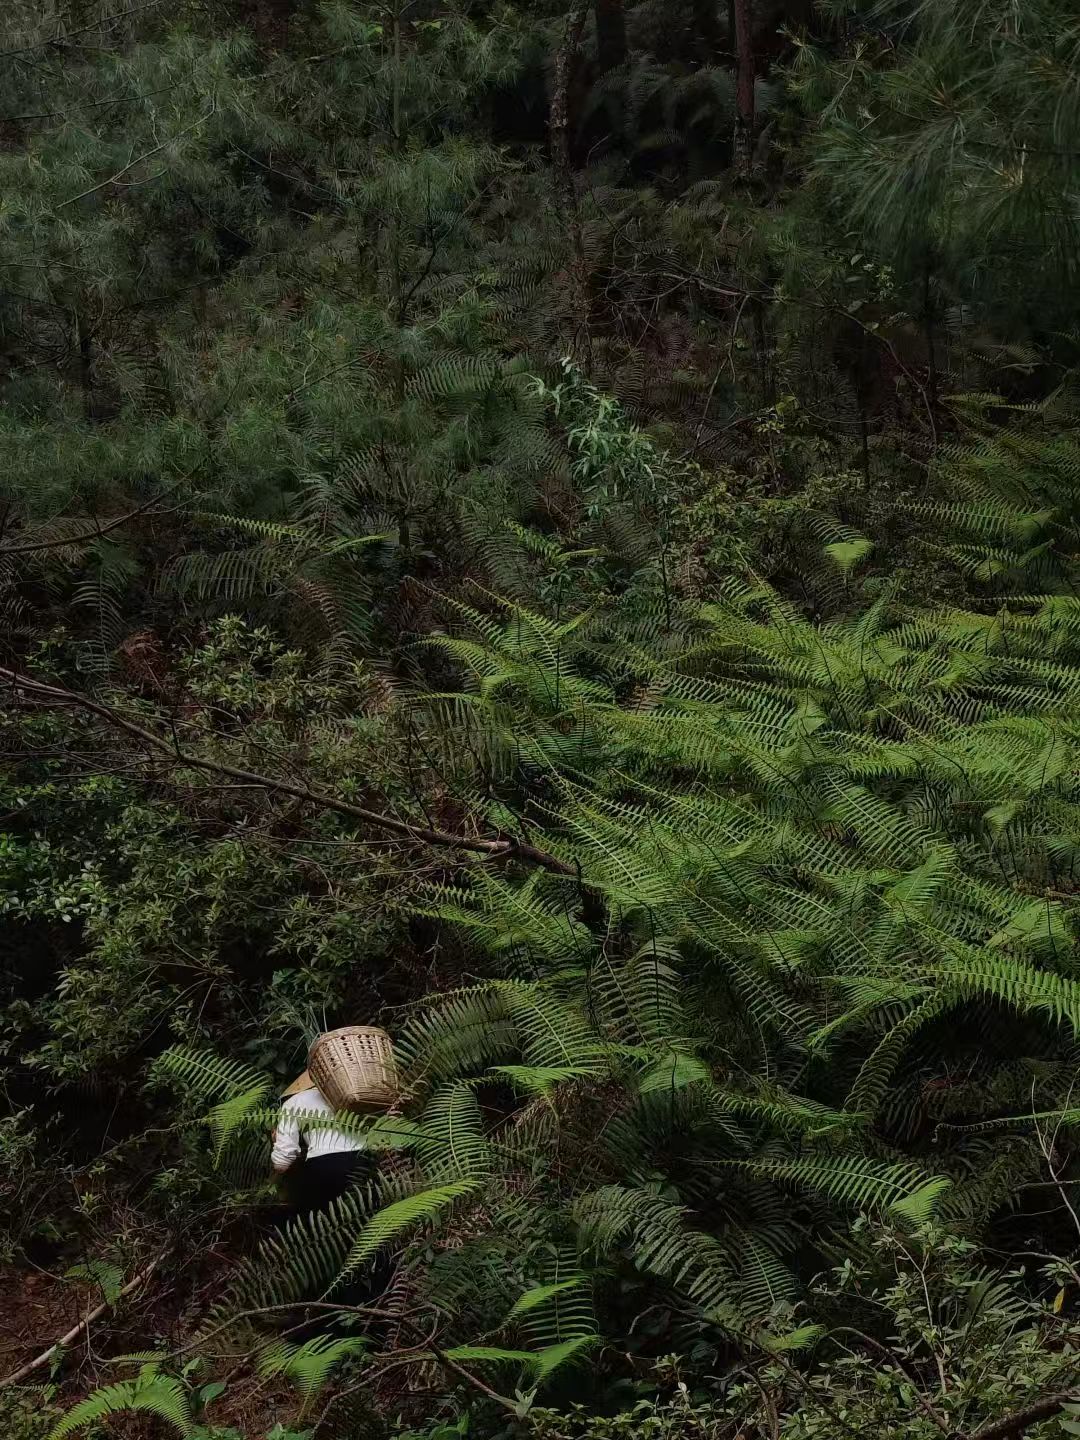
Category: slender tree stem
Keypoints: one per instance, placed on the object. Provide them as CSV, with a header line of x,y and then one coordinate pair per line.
x,y
744,88
566,185
610,35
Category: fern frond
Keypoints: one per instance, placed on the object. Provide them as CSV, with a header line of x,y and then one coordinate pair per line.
x,y
207,1076
450,1142
863,1184
402,1216
309,1365
160,1395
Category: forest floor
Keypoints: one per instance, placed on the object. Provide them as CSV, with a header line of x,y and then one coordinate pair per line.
x,y
38,1307
168,1313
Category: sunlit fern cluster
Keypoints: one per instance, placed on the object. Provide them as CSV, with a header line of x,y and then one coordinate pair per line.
x,y
817,941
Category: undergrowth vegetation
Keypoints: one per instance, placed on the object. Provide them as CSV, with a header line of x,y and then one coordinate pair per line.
x,y
552,529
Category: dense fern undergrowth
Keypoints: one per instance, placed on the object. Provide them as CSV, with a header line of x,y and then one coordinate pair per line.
x,y
552,529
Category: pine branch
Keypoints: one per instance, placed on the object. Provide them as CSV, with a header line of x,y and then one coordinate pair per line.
x,y
65,38
138,159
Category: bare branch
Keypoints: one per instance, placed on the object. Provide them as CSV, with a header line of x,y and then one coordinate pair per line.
x,y
1021,1420
66,37
370,1312
138,159
37,692
35,547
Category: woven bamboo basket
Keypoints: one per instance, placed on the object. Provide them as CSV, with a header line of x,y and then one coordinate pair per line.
x,y
354,1068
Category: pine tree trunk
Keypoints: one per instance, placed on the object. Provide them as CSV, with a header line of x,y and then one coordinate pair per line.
x,y
610,35
395,221
864,431
799,15
744,88
566,188
932,388
85,364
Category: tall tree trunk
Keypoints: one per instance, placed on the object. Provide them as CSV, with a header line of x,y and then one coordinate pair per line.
x,y
744,88
395,222
566,187
85,364
928,318
864,431
799,15
610,35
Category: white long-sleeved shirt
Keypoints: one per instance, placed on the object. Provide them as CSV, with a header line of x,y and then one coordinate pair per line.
x,y
291,1133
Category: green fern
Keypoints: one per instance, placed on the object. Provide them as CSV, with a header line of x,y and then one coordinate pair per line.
x,y
309,1365
489,1355
300,1262
558,1357
860,1183
450,1142
541,1294
208,1077
158,1394
401,1216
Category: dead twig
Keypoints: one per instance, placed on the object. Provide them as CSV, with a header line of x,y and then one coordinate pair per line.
x,y
371,1312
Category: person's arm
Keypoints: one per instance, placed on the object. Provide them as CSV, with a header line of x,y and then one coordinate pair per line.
x,y
286,1147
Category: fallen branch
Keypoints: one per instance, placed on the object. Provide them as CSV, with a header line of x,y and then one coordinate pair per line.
x,y
56,697
76,1330
369,1312
1020,1420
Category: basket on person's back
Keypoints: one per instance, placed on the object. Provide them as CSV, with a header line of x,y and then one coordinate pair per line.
x,y
354,1068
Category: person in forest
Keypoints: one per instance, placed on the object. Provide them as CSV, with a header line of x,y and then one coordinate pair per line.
x,y
318,1161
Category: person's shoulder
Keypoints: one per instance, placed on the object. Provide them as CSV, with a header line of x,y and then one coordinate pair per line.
x,y
304,1100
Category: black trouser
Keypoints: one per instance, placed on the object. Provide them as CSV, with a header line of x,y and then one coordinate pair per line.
x,y
316,1184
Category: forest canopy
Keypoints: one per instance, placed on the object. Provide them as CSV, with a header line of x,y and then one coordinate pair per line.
x,y
552,529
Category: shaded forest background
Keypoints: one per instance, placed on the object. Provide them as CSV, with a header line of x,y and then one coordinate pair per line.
x,y
553,529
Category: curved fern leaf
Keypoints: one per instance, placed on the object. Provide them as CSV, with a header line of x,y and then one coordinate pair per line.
x,y
861,1183
159,1394
208,1076
402,1216
308,1366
